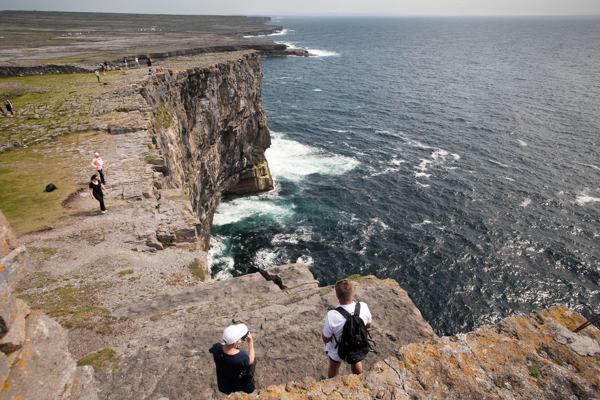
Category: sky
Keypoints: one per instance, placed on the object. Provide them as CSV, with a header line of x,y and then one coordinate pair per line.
x,y
275,8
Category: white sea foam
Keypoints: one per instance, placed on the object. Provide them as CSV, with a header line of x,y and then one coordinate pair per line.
x,y
498,163
439,155
509,179
398,162
424,164
421,224
245,207
322,53
385,171
283,32
265,258
289,45
306,260
341,131
217,256
522,143
526,202
422,184
422,175
294,161
317,90
292,238
584,198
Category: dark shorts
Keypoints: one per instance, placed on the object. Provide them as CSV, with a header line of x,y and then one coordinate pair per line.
x,y
332,360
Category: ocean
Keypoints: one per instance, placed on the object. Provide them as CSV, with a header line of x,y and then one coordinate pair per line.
x,y
457,156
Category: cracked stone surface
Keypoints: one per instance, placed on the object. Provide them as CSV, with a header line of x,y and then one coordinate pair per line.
x,y
522,357
175,331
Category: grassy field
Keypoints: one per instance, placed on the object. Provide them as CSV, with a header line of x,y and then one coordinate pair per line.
x,y
47,106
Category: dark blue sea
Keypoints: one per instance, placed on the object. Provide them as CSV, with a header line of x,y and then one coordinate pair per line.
x,y
457,156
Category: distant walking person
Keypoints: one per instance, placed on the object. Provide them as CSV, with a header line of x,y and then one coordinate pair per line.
x,y
98,164
96,189
235,367
8,106
98,76
149,62
137,61
335,322
125,62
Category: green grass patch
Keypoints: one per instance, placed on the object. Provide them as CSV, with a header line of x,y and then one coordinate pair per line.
x,y
156,317
558,361
101,360
356,278
26,205
533,371
85,317
326,292
43,252
197,271
258,303
70,307
182,197
125,272
149,159
162,119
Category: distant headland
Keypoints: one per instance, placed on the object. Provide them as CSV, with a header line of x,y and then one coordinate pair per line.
x,y
91,38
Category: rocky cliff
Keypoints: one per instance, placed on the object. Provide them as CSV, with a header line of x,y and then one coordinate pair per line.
x,y
212,131
534,356
35,362
146,319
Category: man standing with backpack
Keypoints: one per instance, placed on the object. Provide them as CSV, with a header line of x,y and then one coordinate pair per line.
x,y
345,331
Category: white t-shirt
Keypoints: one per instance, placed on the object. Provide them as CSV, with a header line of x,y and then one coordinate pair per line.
x,y
334,325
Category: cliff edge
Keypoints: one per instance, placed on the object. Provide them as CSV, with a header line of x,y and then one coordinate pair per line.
x,y
534,356
35,362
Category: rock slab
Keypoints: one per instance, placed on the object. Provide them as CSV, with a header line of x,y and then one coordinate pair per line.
x,y
533,356
35,362
285,313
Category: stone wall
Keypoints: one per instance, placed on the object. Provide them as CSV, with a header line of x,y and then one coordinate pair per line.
x,y
35,362
22,70
212,132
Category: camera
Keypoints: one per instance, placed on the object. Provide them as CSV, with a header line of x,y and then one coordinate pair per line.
x,y
245,336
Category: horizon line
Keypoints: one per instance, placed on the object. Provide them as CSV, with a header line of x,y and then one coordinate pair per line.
x,y
326,14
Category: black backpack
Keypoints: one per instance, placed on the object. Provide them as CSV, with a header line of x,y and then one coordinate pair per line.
x,y
355,343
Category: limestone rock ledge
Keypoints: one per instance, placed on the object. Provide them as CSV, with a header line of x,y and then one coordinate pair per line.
x,y
533,356
35,362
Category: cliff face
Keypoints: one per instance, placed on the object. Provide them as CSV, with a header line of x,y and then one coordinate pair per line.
x,y
212,131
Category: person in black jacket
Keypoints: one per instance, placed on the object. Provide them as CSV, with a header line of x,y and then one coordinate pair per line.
x,y
235,367
96,188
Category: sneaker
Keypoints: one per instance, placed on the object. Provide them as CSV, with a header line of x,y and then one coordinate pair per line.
x,y
103,212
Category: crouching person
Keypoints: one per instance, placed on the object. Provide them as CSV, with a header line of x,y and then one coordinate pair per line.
x,y
235,367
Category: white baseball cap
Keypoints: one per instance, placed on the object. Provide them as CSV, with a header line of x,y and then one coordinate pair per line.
x,y
233,333
96,154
